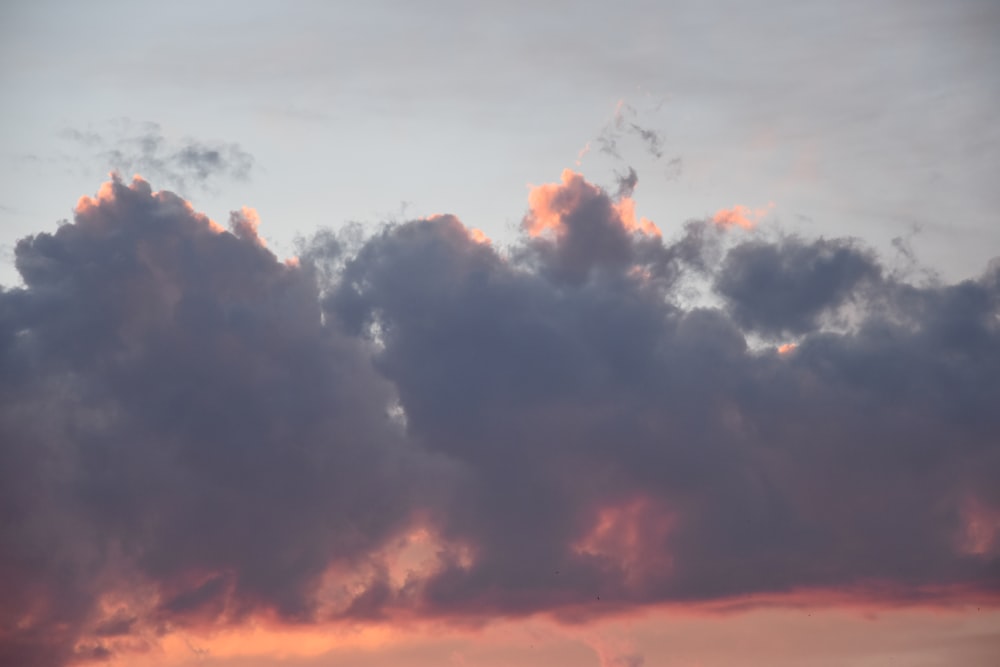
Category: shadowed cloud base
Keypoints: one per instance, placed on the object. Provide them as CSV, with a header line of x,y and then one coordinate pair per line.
x,y
415,425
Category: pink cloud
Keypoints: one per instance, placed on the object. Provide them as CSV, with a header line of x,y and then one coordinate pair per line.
x,y
740,216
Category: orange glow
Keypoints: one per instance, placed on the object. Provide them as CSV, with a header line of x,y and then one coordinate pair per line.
x,y
212,224
619,106
474,234
873,597
402,564
161,196
981,530
548,207
245,223
106,196
777,637
266,642
284,642
632,536
551,203
625,208
479,236
293,262
641,273
787,348
741,216
624,534
419,553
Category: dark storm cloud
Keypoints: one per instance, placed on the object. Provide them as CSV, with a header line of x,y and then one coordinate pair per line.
x,y
781,288
646,453
174,411
183,164
194,432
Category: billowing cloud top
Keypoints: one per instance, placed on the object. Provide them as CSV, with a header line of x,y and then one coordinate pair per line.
x,y
421,424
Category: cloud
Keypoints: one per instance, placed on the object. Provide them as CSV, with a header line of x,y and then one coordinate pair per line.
x,y
740,216
620,126
651,138
627,183
414,423
244,224
675,167
177,414
785,287
631,660
187,163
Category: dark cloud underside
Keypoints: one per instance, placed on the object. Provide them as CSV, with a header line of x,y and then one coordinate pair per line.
x,y
195,432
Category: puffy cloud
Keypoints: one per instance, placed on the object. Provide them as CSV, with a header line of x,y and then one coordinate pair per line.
x,y
786,287
244,224
578,227
418,423
183,438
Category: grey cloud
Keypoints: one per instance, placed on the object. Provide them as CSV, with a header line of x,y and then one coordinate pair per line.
x,y
652,139
627,182
570,389
86,137
204,161
593,237
183,164
185,414
173,405
675,167
620,126
786,287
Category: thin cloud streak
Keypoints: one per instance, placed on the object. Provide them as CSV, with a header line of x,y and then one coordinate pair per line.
x,y
183,164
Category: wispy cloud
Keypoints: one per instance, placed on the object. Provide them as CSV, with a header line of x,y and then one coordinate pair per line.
x,y
181,163
623,123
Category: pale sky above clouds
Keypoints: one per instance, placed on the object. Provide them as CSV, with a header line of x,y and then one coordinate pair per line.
x,y
868,119
666,358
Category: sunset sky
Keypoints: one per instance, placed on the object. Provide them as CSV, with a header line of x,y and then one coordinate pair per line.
x,y
408,334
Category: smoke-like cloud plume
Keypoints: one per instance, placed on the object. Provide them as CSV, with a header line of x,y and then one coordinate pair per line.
x,y
184,164
621,125
418,423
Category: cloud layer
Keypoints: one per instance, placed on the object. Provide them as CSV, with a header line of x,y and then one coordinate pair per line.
x,y
416,423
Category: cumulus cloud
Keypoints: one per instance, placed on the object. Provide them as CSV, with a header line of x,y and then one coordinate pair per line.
x,y
416,422
183,438
785,287
244,223
576,227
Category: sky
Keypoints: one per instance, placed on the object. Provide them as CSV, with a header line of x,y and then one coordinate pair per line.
x,y
570,333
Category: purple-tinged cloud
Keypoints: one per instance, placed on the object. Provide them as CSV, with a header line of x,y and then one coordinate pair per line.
x,y
419,423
